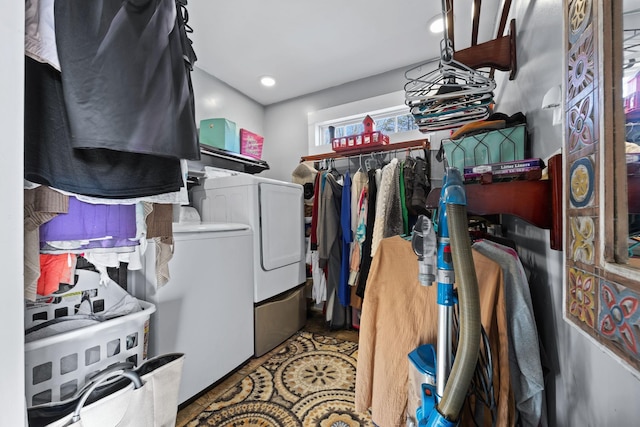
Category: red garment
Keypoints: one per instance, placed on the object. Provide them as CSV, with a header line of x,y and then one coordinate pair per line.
x,y
55,269
314,215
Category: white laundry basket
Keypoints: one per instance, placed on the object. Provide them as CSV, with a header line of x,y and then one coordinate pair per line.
x,y
59,365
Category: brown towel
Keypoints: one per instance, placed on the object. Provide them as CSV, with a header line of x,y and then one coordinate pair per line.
x,y
160,221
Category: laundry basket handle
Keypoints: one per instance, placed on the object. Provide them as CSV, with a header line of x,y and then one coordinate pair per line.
x,y
133,376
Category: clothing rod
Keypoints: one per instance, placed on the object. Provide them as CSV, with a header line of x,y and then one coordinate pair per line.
x,y
407,145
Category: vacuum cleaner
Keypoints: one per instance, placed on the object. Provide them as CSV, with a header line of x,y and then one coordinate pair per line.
x,y
447,379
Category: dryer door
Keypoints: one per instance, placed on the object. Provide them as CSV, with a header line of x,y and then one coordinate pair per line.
x,y
281,225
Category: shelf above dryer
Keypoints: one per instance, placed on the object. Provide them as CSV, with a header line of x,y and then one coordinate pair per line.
x,y
210,156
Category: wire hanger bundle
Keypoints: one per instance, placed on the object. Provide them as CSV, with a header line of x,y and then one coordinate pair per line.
x,y
449,96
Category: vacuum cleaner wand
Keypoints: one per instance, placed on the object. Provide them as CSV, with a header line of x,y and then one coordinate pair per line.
x,y
441,406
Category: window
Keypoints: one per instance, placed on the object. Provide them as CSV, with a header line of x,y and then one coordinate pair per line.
x,y
390,114
398,120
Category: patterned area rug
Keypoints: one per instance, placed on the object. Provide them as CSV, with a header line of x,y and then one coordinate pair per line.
x,y
309,382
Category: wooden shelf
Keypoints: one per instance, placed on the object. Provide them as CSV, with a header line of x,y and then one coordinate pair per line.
x,y
537,202
407,145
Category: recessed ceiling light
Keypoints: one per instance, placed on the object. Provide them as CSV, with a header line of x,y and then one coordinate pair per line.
x,y
267,81
437,25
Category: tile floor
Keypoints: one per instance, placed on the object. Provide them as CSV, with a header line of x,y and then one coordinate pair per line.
x,y
315,324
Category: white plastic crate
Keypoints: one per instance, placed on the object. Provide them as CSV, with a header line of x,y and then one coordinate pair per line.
x,y
59,365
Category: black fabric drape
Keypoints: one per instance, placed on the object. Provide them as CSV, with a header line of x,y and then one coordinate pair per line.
x,y
365,264
126,76
49,158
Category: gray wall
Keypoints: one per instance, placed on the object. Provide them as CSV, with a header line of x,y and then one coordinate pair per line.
x,y
585,387
215,99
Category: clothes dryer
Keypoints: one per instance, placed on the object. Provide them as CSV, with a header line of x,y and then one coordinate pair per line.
x,y
275,211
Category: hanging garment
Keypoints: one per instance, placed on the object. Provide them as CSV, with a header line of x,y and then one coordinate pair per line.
x,y
366,245
393,224
356,258
387,212
344,291
86,221
398,315
524,352
95,230
403,201
319,290
421,186
315,212
359,237
160,229
160,221
328,218
336,314
358,183
180,197
39,32
124,71
50,160
41,204
409,173
54,270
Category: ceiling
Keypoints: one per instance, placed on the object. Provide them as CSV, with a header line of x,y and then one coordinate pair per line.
x,y
309,45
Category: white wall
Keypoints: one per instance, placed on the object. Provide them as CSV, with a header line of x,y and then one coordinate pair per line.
x,y
215,99
585,387
12,402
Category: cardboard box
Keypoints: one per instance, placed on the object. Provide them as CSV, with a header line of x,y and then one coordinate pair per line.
x,y
220,133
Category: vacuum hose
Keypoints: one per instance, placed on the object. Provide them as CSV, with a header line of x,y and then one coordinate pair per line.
x,y
466,358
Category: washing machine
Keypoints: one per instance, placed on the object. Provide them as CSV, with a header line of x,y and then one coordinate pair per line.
x,y
275,211
206,308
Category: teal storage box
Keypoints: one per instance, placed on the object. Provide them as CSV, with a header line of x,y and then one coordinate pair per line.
x,y
501,145
220,133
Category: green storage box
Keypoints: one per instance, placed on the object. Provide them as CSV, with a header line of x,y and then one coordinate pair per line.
x,y
502,145
220,133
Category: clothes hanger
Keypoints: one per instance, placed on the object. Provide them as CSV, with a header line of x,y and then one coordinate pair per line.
x,y
372,163
449,96
360,168
478,230
452,79
434,105
332,169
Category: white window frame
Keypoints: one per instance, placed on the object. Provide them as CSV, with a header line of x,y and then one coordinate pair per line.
x,y
380,105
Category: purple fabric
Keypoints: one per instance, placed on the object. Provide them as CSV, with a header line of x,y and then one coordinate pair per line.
x,y
86,221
